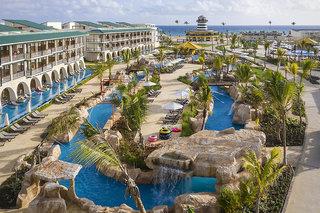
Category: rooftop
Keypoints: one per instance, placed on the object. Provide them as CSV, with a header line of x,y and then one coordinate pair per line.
x,y
5,28
116,30
90,24
316,29
28,24
38,36
111,24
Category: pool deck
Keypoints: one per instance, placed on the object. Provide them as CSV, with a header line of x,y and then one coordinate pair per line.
x,y
27,141
170,87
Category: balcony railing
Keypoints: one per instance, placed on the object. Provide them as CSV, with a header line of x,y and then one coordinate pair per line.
x,y
60,48
18,74
18,57
60,61
5,59
6,79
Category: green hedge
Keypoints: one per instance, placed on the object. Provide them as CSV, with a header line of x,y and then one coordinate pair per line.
x,y
277,193
189,111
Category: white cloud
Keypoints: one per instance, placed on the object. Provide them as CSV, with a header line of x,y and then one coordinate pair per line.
x,y
166,11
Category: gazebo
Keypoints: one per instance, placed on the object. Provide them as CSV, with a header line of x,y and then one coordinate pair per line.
x,y
189,46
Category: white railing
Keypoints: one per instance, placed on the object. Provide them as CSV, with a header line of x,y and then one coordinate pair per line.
x,y
6,79
18,74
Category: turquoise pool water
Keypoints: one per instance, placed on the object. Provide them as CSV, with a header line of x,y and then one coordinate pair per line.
x,y
105,191
39,98
222,115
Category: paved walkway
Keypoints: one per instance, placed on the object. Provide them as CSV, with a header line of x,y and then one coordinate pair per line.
x,y
27,141
170,87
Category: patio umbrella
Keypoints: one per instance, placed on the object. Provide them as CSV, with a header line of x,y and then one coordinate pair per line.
x,y
172,106
183,94
6,120
149,84
29,107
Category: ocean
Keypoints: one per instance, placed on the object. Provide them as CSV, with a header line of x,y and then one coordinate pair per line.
x,y
180,30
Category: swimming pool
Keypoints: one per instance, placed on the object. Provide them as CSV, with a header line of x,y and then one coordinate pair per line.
x,y
39,98
106,191
222,115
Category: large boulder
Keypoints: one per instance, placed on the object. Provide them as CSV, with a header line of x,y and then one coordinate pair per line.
x,y
233,92
199,202
48,201
242,114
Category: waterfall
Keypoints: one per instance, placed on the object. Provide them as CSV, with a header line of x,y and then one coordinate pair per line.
x,y
167,181
231,109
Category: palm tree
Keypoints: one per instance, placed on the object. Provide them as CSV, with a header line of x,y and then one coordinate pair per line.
x,y
280,53
146,73
136,54
218,65
280,93
234,40
176,21
262,175
161,56
96,150
292,68
270,22
230,60
109,65
204,97
100,69
293,23
127,56
243,74
255,46
202,61
266,46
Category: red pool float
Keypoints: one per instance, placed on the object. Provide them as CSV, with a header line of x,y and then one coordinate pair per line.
x,y
152,138
176,129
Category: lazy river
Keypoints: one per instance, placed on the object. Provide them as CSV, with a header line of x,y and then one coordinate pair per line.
x,y
106,191
221,117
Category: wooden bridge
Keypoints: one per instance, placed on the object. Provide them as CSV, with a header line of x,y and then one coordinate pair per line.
x,y
222,83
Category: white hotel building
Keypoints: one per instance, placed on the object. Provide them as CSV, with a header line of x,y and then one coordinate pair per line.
x,y
33,55
28,60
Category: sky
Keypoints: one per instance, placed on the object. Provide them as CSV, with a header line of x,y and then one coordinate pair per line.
x,y
165,12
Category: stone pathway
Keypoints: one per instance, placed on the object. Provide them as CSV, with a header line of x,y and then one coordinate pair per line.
x,y
170,87
27,141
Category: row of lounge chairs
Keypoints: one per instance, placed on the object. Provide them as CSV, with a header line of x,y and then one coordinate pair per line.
x,y
64,98
172,117
152,94
20,127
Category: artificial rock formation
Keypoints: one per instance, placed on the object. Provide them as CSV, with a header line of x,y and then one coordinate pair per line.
x,y
242,114
203,202
209,153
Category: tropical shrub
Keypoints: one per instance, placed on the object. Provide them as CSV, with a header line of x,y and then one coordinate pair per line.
x,y
277,193
185,79
270,125
132,154
10,189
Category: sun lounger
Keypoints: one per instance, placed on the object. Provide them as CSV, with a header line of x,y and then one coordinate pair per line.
x,y
40,113
28,117
4,137
9,134
35,115
17,130
29,122
19,126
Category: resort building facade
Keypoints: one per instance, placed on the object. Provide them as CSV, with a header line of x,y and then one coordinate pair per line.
x,y
34,60
298,34
201,34
263,36
110,43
